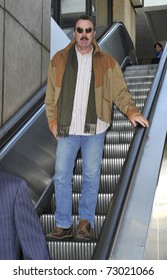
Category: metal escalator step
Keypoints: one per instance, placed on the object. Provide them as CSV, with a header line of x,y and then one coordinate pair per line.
x,y
112,166
117,115
140,104
69,250
140,94
115,150
142,70
138,91
138,68
48,223
119,137
143,75
139,84
137,74
134,87
103,202
107,183
108,166
140,98
123,125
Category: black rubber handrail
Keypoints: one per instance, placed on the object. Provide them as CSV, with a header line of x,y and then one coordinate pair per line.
x,y
21,117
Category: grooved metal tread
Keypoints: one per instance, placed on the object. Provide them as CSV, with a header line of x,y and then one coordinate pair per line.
x,y
71,250
108,166
107,183
48,222
103,202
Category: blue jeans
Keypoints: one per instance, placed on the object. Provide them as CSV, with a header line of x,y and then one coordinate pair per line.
x,y
67,149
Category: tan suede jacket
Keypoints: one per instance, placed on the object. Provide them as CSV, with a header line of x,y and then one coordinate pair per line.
x,y
110,85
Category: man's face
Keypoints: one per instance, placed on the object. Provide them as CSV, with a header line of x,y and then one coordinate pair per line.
x,y
84,34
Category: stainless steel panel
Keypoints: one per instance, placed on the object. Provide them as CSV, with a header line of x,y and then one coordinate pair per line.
x,y
156,246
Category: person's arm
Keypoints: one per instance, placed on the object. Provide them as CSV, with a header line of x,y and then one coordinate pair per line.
x,y
29,229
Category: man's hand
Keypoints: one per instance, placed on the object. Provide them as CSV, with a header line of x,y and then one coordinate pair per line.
x,y
54,131
139,119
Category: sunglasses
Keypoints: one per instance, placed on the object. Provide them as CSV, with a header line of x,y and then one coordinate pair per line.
x,y
80,30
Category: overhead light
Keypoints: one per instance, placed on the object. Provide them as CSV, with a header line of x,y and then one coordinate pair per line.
x,y
137,3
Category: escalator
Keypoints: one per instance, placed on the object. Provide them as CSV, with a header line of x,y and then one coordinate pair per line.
x,y
118,139
125,234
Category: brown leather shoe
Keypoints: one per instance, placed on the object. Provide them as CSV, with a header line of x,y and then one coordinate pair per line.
x,y
59,233
83,231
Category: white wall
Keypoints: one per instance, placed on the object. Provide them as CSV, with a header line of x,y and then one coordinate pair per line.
x,y
59,39
148,3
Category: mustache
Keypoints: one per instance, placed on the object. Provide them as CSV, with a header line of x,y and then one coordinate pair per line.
x,y
84,38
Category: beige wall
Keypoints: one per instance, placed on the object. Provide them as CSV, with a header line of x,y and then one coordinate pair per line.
x,y
122,11
24,52
101,12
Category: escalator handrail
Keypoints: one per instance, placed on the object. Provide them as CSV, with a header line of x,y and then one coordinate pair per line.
x,y
109,230
125,41
9,129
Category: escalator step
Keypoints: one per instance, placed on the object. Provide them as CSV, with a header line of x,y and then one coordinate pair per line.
x,y
118,137
138,68
107,183
113,151
108,166
122,125
48,223
70,250
103,202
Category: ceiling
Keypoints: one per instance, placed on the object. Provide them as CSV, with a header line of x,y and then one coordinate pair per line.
x,y
151,27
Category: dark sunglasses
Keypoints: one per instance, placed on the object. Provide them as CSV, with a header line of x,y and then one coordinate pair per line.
x,y
80,30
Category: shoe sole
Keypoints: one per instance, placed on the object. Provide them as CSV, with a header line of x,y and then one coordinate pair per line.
x,y
52,238
77,238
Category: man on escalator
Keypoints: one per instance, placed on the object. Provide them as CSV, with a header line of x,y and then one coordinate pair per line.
x,y
83,83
